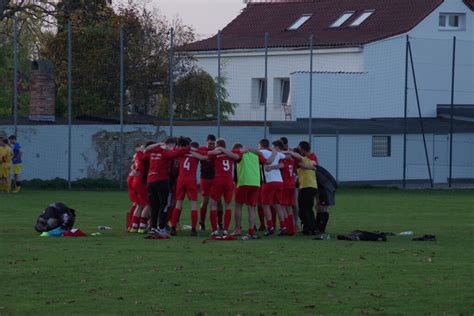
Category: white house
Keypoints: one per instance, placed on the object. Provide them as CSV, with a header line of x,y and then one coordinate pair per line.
x,y
358,91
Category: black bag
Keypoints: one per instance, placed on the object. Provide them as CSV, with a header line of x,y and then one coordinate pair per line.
x,y
54,216
360,235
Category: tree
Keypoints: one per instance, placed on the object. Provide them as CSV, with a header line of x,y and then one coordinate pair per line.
x,y
196,96
96,51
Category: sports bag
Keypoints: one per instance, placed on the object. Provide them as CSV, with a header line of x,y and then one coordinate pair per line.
x,y
360,235
54,216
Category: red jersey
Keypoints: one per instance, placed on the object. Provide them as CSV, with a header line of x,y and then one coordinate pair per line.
x,y
288,173
223,166
314,158
160,162
188,168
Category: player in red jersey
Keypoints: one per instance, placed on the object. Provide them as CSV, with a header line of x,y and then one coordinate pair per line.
x,y
288,195
160,158
223,185
137,185
294,207
186,186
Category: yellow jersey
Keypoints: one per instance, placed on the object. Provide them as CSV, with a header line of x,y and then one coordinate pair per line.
x,y
307,177
6,155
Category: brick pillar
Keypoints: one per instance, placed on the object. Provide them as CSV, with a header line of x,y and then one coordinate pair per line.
x,y
42,93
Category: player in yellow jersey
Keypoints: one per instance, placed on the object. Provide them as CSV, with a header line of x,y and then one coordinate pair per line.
x,y
6,155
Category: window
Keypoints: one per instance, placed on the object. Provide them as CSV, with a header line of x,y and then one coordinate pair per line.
x,y
364,16
262,90
381,146
302,20
452,21
342,19
284,91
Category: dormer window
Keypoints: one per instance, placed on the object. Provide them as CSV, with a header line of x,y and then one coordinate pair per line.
x,y
361,19
342,19
452,21
302,20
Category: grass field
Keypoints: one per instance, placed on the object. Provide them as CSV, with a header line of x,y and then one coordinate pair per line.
x,y
119,273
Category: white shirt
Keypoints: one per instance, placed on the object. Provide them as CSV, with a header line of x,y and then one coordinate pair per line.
x,y
273,175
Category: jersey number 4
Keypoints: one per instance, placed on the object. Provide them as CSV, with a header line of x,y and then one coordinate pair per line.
x,y
187,164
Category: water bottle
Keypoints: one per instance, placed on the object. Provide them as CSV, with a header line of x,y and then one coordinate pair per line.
x,y
104,228
408,233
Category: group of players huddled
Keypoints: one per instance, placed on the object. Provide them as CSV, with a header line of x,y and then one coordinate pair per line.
x,y
273,181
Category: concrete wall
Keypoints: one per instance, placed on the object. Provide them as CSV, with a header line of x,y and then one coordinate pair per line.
x,y
96,151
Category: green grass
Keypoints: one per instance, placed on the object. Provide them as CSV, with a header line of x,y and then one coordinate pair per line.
x,y
120,273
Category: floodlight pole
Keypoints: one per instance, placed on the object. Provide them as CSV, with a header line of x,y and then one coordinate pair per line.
x,y
122,144
405,115
219,92
266,88
69,99
310,122
171,78
451,127
15,75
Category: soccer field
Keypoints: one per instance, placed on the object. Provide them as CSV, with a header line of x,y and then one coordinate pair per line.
x,y
119,273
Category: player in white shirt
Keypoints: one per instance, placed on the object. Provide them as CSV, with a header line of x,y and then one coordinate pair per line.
x,y
272,186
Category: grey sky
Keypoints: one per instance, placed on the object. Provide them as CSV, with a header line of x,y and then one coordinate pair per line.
x,y
207,16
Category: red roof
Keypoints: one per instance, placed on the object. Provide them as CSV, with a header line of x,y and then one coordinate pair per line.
x,y
390,18
470,4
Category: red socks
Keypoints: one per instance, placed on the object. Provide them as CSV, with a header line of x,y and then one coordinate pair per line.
x,y
202,213
194,218
290,224
227,219
282,223
251,232
174,217
270,224
214,220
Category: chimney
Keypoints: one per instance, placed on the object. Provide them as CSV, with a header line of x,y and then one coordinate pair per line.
x,y
42,91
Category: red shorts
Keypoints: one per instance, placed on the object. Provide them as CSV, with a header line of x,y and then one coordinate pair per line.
x,y
288,197
247,195
271,193
186,188
222,188
140,191
206,186
131,190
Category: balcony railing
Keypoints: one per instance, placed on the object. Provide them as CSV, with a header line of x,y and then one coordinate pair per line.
x,y
256,112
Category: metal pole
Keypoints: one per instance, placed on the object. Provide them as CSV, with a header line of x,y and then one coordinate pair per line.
x,y
405,116
69,100
15,75
337,156
122,144
420,116
451,127
266,88
171,78
219,92
310,122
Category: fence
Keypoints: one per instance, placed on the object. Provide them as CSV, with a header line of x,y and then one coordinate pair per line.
x,y
395,111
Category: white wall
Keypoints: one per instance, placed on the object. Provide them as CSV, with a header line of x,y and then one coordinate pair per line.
x,y
241,68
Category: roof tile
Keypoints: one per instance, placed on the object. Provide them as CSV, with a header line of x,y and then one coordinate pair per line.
x,y
246,31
